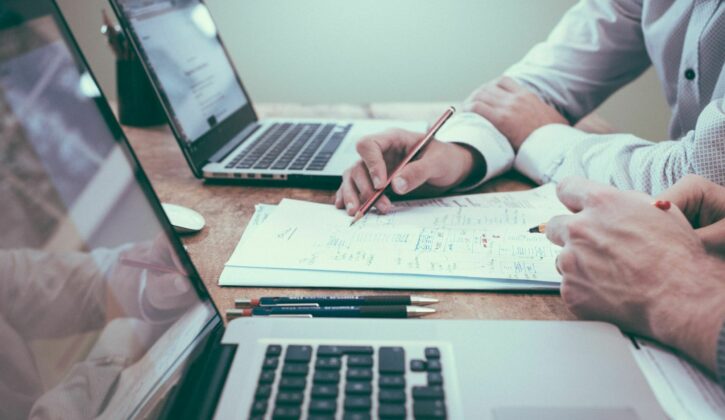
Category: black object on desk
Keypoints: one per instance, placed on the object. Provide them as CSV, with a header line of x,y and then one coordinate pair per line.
x,y
138,104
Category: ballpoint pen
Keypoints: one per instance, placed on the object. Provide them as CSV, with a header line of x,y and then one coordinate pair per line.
x,y
390,311
319,301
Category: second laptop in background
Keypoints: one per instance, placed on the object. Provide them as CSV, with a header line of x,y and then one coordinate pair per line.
x,y
211,114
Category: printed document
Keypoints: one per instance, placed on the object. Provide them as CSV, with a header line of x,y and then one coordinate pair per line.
x,y
476,241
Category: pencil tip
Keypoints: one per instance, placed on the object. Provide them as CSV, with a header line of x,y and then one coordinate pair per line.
x,y
357,217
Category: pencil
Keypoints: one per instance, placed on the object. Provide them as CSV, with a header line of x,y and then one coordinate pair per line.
x,y
660,204
411,155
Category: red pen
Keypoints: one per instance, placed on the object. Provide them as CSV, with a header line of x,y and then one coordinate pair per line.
x,y
411,155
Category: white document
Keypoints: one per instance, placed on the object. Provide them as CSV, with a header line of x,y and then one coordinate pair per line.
x,y
466,242
682,389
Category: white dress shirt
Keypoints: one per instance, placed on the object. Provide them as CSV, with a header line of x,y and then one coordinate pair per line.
x,y
598,47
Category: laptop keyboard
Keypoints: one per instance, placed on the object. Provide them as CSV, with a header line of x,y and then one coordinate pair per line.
x,y
347,382
292,146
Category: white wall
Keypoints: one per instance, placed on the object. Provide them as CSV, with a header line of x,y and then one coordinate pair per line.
x,y
327,51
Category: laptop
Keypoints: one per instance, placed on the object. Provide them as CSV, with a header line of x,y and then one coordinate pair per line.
x,y
211,114
103,315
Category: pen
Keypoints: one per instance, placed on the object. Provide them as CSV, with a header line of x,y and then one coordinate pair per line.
x,y
390,311
320,301
660,204
411,155
149,266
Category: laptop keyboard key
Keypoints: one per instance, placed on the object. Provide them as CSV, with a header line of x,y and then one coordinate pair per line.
x,y
434,365
356,416
298,354
391,411
429,409
273,350
435,378
391,396
267,377
358,388
324,391
292,383
392,381
360,361
359,374
295,369
324,406
326,377
329,351
329,363
263,391
286,412
427,393
432,353
391,360
357,350
358,403
259,407
290,398
270,363
417,365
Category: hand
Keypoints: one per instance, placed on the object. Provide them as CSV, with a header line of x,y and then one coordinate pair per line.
x,y
513,110
703,202
440,167
642,268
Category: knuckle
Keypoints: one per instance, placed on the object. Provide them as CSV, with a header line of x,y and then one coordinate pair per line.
x,y
567,261
598,198
578,230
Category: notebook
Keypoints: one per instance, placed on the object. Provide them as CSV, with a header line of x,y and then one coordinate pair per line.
x,y
478,241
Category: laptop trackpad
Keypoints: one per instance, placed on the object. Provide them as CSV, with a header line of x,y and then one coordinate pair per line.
x,y
563,413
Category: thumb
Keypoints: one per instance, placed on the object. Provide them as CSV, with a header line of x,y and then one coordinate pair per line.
x,y
412,176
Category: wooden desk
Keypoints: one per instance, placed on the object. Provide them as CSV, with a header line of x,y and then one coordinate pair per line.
x,y
227,210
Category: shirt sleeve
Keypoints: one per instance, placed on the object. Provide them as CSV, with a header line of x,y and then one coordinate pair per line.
x,y
596,48
473,130
556,151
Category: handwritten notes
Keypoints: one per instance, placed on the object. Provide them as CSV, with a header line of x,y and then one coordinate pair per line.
x,y
475,237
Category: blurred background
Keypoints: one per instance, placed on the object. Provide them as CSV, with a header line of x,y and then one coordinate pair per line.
x,y
332,51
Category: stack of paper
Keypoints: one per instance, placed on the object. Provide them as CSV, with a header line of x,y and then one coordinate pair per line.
x,y
476,241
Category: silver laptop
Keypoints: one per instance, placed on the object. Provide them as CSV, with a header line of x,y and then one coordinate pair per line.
x,y
102,313
211,114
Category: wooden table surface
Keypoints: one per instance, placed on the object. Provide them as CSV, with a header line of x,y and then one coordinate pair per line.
x,y
228,208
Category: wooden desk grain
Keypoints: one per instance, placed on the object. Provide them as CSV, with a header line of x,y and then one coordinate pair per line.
x,y
228,208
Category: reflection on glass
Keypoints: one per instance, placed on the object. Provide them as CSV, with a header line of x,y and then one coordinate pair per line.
x,y
95,305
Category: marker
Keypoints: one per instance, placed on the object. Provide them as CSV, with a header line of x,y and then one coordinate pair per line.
x,y
391,311
321,301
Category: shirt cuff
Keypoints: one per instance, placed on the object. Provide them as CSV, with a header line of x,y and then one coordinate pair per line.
x,y
544,150
720,362
473,130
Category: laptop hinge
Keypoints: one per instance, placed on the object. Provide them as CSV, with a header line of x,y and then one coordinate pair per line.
x,y
222,153
197,394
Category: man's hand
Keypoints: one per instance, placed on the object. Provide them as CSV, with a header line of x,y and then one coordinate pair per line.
x,y
513,110
703,202
642,268
441,166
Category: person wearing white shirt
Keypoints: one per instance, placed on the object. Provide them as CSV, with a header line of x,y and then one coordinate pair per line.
x,y
524,119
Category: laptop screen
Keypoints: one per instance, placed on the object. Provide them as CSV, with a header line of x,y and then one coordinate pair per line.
x,y
98,302
179,42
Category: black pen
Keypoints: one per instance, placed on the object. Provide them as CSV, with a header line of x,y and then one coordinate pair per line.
x,y
389,311
322,301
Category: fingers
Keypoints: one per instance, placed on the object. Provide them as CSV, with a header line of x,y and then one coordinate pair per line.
x,y
713,237
413,175
557,229
373,149
576,193
509,85
702,201
356,188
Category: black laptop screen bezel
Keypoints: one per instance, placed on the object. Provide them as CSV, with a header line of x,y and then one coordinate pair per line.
x,y
198,152
14,13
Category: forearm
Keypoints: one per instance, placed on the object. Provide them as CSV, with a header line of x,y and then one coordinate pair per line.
x,y
693,320
555,152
